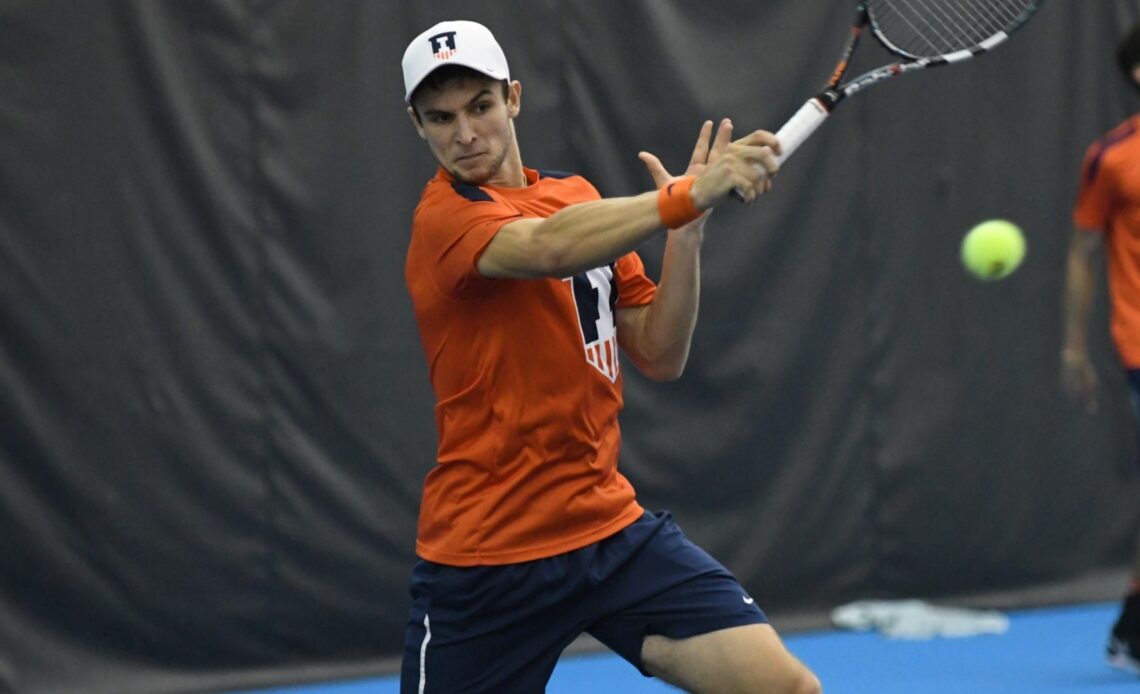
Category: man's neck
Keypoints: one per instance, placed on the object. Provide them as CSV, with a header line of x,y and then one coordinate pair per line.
x,y
510,173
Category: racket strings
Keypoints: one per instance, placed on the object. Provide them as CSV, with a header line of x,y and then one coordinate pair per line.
x,y
932,28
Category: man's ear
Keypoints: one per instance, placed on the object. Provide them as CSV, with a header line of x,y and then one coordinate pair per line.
x,y
1136,74
514,99
416,122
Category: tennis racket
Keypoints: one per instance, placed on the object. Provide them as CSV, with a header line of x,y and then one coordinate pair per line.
x,y
922,33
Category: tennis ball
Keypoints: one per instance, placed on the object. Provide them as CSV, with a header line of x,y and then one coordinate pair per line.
x,y
993,249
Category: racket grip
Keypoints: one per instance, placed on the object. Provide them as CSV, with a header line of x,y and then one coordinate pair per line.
x,y
797,130
800,127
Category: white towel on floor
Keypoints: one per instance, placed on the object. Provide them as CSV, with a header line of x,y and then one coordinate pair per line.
x,y
915,619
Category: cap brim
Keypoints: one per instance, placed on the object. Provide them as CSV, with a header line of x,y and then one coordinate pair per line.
x,y
454,61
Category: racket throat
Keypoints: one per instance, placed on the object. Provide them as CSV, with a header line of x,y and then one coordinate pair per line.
x,y
829,98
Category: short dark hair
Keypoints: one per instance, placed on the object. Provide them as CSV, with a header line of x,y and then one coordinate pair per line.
x,y
441,77
1128,52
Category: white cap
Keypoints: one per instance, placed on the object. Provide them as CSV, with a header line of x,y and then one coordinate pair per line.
x,y
469,44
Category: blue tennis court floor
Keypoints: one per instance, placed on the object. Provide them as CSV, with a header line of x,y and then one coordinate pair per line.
x,y
1057,649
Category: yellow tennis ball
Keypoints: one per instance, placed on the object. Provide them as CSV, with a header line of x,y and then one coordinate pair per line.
x,y
993,249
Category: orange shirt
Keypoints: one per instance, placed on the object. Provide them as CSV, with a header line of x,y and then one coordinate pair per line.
x,y
526,380
1109,202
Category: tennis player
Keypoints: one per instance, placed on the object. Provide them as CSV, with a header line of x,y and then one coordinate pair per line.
x,y
1107,216
525,285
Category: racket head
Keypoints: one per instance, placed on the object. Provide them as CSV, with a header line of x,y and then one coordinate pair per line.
x,y
945,30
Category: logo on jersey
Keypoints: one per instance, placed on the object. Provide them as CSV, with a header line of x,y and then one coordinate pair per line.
x,y
443,45
595,295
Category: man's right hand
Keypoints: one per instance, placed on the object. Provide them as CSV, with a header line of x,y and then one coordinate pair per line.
x,y
746,165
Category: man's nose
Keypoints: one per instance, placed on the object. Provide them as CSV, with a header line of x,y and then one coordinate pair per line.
x,y
464,132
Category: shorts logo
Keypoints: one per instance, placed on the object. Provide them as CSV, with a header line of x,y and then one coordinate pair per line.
x,y
595,295
443,45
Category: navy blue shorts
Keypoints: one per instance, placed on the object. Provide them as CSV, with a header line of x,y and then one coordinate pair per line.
x,y
502,628
1134,388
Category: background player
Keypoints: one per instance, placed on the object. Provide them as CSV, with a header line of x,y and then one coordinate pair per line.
x,y
1107,216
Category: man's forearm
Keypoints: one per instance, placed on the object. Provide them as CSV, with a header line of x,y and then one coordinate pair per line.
x,y
585,236
574,239
1077,298
666,332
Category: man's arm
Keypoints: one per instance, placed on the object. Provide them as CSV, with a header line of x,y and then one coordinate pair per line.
x,y
574,239
591,234
1078,376
657,336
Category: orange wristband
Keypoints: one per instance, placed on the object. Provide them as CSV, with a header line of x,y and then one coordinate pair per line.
x,y
675,203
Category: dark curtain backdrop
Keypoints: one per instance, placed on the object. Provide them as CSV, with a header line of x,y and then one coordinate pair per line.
x,y
214,409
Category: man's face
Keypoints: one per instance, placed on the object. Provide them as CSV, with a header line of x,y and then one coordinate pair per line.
x,y
467,125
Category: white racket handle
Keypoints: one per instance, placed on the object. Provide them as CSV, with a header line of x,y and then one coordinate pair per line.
x,y
796,131
800,127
